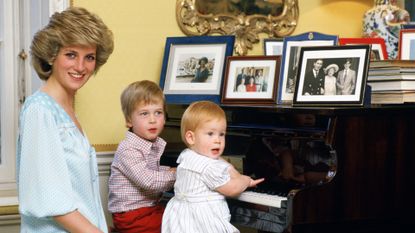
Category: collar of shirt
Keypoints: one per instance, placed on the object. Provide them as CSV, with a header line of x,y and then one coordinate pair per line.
x,y
191,160
142,144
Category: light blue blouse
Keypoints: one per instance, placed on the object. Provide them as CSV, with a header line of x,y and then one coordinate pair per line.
x,y
57,170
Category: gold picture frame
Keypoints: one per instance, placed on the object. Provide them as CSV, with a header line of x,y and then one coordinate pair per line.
x,y
210,17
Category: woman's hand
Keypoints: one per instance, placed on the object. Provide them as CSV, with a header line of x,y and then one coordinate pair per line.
x,y
76,222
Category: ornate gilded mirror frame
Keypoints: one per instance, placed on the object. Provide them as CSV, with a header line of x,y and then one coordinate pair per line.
x,y
245,27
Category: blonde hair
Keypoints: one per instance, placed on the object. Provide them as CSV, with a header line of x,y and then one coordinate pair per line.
x,y
140,92
198,113
74,26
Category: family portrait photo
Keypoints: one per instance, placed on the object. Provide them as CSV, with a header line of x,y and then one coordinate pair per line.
x,y
251,79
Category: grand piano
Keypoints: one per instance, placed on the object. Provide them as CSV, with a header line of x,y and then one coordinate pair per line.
x,y
345,169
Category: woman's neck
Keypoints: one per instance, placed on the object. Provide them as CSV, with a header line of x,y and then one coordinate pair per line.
x,y
62,96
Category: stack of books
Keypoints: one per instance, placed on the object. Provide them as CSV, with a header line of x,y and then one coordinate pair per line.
x,y
392,81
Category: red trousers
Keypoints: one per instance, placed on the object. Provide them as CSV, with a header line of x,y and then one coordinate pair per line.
x,y
142,220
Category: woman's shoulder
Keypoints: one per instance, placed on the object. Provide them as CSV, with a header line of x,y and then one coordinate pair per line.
x,y
41,104
37,100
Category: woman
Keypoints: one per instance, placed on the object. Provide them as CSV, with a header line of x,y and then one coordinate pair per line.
x,y
251,86
202,72
330,79
56,166
240,86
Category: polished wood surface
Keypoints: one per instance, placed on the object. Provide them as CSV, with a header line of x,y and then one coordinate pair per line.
x,y
373,190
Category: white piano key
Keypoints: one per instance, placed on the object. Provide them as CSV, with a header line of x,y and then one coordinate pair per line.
x,y
261,198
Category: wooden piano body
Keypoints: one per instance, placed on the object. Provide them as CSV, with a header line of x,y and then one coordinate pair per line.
x,y
373,189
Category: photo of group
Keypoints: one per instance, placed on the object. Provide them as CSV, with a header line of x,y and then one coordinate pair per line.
x,y
251,79
336,76
193,68
332,75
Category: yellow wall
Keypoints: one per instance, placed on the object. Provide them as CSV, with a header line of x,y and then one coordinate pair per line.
x,y
140,29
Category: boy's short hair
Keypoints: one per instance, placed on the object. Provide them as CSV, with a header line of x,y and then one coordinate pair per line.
x,y
141,92
198,113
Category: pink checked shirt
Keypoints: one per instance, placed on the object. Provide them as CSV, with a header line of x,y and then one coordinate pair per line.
x,y
137,179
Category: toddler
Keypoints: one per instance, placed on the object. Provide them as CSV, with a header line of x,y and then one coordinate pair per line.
x,y
203,177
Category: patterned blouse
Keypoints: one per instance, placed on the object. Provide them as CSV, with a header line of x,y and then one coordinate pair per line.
x,y
57,170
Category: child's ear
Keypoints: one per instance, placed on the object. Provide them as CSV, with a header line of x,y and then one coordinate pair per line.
x,y
128,124
190,137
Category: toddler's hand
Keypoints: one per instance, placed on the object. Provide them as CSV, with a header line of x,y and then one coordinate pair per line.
x,y
254,183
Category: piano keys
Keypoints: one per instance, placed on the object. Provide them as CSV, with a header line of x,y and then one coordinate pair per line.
x,y
288,163
272,200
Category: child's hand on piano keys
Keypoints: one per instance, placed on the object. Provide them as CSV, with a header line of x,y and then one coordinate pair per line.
x,y
254,183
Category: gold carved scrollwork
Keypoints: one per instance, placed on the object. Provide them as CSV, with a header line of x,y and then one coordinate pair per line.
x,y
245,27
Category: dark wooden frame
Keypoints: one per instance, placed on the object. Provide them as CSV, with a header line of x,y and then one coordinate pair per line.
x,y
230,96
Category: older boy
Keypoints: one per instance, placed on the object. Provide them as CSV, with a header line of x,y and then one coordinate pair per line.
x,y
137,180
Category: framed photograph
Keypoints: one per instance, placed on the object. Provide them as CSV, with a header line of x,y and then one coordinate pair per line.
x,y
251,80
332,76
289,61
378,47
193,68
407,44
273,47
